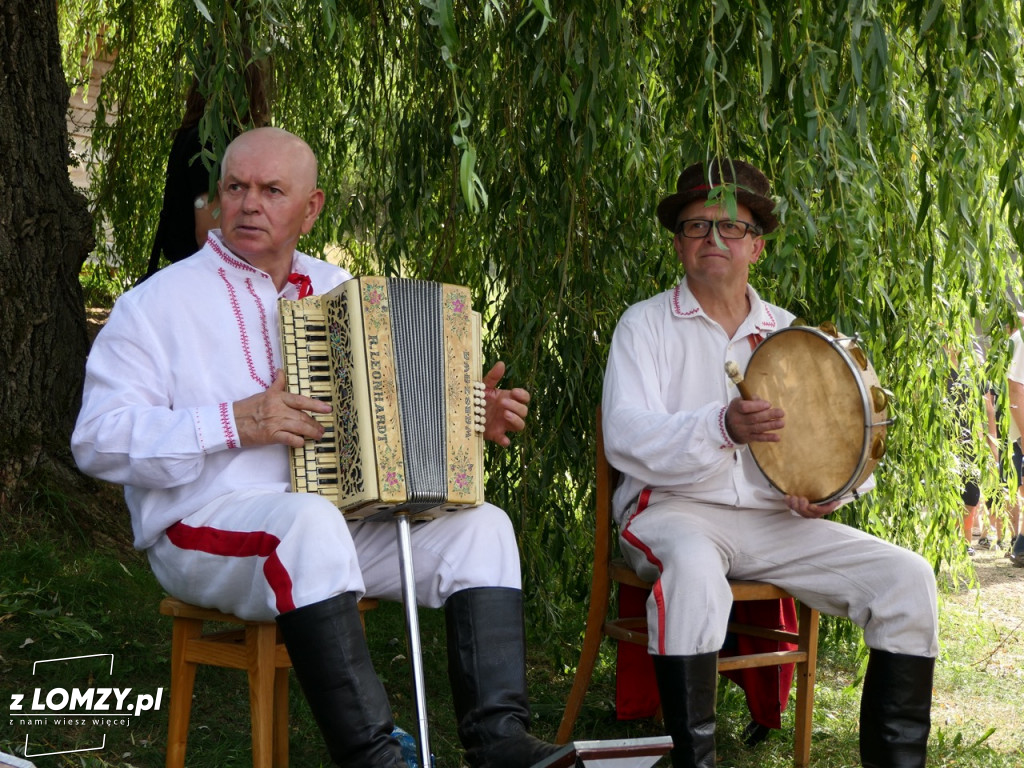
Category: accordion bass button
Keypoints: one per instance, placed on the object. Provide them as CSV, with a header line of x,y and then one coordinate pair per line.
x,y
479,406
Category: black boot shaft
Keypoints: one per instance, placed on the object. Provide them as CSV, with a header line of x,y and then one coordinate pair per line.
x,y
328,650
688,686
895,710
487,671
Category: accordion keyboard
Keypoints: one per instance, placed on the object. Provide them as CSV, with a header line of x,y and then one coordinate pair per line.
x,y
309,374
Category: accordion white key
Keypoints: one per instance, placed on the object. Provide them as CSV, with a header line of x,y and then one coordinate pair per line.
x,y
399,362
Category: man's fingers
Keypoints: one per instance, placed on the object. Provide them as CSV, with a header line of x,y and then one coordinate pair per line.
x,y
279,384
514,421
805,508
493,376
295,432
303,403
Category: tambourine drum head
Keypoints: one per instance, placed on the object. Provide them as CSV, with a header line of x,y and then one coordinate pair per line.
x,y
822,451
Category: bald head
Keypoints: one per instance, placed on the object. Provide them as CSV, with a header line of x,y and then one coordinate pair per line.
x,y
278,141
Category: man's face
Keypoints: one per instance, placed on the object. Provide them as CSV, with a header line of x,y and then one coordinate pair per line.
x,y
268,198
714,258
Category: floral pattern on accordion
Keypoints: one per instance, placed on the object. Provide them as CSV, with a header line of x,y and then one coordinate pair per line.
x,y
350,461
387,428
459,345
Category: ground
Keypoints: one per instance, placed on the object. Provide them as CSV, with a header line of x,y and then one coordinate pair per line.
x,y
997,602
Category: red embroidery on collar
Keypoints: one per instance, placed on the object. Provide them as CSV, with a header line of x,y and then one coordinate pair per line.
x,y
677,306
231,259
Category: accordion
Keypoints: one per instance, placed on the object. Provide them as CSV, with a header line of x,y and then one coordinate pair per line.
x,y
399,362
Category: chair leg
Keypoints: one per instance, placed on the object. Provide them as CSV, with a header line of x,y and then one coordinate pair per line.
x,y
281,717
261,646
592,637
183,678
806,674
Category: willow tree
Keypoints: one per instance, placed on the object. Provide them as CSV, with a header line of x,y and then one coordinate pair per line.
x,y
520,148
44,238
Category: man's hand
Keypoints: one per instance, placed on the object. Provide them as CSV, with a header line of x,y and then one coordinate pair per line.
x,y
277,416
753,421
506,408
804,508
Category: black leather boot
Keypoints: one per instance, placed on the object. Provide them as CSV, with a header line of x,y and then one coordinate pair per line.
x,y
688,686
895,710
487,670
329,655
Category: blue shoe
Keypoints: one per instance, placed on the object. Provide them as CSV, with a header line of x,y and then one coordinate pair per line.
x,y
408,744
410,752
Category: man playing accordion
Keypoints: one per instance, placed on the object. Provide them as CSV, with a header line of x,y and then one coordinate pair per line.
x,y
185,406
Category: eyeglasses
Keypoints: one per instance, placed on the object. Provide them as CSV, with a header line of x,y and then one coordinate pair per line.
x,y
726,228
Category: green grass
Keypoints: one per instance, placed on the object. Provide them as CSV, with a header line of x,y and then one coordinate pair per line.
x,y
63,595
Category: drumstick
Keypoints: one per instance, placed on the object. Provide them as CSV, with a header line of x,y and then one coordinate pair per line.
x,y
733,371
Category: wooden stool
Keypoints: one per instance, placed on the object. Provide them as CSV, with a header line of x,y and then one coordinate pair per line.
x,y
256,648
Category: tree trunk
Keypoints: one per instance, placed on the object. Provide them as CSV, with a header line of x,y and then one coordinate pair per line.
x,y
45,236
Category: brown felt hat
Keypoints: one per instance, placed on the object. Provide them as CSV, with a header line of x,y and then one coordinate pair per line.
x,y
749,184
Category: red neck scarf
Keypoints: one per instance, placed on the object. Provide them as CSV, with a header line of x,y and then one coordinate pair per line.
x,y
303,282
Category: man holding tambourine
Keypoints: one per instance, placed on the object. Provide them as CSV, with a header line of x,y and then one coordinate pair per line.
x,y
695,508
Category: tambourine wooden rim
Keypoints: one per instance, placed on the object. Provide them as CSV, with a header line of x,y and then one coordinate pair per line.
x,y
836,412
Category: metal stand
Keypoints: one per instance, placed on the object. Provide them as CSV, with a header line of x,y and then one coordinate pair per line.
x,y
412,633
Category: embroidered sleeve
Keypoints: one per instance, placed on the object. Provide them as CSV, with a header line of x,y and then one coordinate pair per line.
x,y
726,444
215,428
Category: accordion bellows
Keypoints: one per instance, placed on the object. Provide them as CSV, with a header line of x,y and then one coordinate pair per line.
x,y
399,362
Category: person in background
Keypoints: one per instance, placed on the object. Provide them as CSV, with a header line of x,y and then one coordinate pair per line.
x,y
1015,384
185,405
187,213
960,391
694,510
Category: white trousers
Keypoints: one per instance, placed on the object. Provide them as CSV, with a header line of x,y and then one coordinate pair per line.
x,y
691,550
258,554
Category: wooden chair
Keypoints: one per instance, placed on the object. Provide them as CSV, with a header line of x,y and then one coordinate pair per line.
x,y
257,648
608,569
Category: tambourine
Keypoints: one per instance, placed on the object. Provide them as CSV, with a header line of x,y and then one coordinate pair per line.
x,y
836,411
